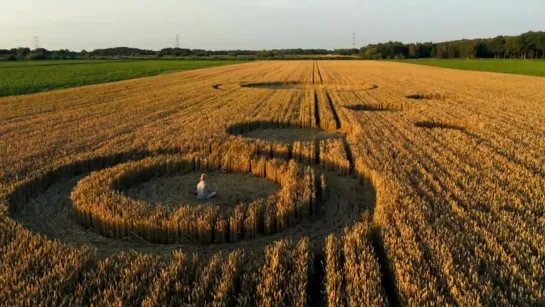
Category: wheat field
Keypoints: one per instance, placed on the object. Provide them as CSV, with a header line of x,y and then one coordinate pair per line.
x,y
376,184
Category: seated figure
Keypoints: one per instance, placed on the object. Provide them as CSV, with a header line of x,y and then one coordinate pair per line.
x,y
202,190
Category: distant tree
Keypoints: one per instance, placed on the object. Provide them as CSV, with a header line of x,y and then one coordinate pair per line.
x,y
516,47
21,53
453,51
371,54
5,52
529,44
351,51
526,45
433,52
199,52
497,46
442,52
56,55
264,54
35,56
413,51
480,50
540,44
425,49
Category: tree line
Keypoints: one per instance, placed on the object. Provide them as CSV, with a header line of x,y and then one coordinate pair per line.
x,y
25,53
529,45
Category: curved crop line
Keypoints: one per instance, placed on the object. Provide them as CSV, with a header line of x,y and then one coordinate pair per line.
x,y
99,205
387,107
24,190
21,192
453,125
427,96
296,85
297,150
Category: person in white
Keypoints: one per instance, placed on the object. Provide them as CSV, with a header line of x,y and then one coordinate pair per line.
x,y
202,189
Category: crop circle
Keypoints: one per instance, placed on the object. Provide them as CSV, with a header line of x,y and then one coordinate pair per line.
x,y
100,204
427,96
42,204
285,85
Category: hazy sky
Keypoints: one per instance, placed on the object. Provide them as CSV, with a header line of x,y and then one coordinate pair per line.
x,y
254,24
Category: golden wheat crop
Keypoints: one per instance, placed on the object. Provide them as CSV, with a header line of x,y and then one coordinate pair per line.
x,y
447,169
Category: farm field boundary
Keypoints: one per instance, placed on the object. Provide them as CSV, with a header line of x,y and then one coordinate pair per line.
x,y
518,67
33,77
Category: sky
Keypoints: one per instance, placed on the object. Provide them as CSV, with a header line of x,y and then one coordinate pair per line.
x,y
255,24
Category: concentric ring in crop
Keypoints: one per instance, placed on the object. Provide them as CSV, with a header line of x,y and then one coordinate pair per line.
x,y
100,205
44,205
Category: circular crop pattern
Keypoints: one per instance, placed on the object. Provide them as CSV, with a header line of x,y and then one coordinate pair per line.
x,y
43,204
100,203
383,107
142,200
309,86
226,86
427,96
471,124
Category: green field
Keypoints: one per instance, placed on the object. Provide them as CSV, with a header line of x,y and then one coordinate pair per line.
x,y
25,77
519,67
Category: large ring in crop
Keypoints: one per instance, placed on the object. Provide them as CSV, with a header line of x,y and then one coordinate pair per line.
x,y
100,204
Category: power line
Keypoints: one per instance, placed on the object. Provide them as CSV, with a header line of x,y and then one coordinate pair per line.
x,y
177,42
354,40
36,40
